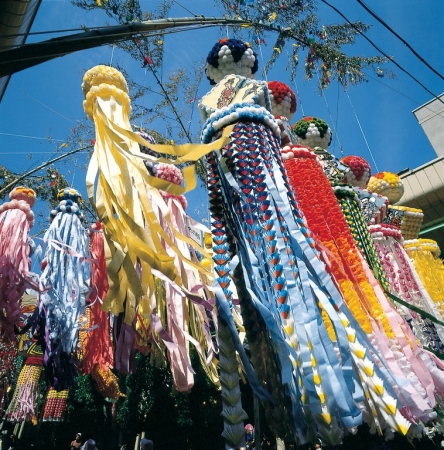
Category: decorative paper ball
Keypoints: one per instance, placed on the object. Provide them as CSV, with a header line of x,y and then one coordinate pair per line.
x,y
313,132
230,56
359,172
168,172
282,98
69,194
103,74
387,184
23,193
171,173
150,140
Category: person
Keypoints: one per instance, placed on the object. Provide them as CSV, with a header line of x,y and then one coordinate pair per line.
x,y
249,436
90,444
146,444
77,442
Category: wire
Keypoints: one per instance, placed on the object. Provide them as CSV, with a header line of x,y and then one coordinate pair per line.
x,y
383,53
329,113
41,103
367,8
175,1
362,131
436,113
32,137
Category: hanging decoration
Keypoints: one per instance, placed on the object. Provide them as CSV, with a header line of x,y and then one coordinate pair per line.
x,y
26,393
277,256
283,106
424,254
360,290
406,284
16,219
388,184
313,132
97,346
55,406
64,280
142,256
185,321
409,220
359,172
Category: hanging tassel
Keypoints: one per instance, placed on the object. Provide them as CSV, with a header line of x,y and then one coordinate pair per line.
x,y
16,219
64,279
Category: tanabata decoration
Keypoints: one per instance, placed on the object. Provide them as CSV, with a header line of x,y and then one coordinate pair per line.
x,y
257,225
141,256
26,393
333,168
313,132
230,56
359,172
424,253
98,346
409,220
65,284
388,184
406,285
282,99
386,330
184,321
16,219
95,335
283,107
56,403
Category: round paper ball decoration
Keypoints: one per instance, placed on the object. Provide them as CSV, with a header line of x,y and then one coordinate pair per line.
x,y
230,56
387,184
282,99
359,172
313,132
23,193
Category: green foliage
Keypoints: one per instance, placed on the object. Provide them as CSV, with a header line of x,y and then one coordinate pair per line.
x,y
297,32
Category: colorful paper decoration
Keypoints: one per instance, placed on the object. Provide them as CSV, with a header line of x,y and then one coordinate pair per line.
x,y
16,219
359,172
230,56
282,99
408,220
24,400
361,291
250,197
388,184
55,406
313,132
406,284
65,283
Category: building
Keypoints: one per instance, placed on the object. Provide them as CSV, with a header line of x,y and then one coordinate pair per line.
x,y
424,186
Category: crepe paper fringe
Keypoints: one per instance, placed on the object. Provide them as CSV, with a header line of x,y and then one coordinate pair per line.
x,y
98,346
329,226
16,219
65,283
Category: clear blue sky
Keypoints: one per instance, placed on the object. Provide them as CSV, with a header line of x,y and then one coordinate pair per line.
x,y
47,100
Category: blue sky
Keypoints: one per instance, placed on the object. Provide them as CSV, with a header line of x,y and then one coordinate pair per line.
x,y
46,101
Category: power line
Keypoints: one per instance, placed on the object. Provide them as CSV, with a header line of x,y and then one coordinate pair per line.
x,y
382,52
367,8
